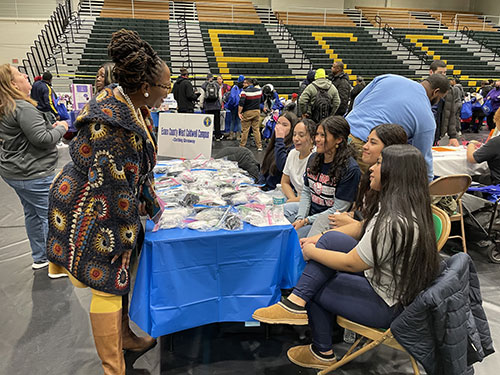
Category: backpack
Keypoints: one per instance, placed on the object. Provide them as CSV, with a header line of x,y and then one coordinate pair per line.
x,y
225,97
211,92
322,107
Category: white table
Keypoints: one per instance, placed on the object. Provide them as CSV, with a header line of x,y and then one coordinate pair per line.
x,y
455,161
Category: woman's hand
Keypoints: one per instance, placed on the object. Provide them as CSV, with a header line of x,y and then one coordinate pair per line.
x,y
310,240
306,251
63,123
125,258
279,131
299,224
340,219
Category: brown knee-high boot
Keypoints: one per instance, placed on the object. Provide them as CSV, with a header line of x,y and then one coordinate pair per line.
x,y
106,328
130,340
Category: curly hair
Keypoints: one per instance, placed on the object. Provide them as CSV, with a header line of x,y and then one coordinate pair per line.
x,y
339,128
135,60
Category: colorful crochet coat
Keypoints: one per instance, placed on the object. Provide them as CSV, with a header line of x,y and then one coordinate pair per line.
x,y
93,203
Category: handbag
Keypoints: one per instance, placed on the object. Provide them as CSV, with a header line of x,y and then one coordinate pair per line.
x,y
487,107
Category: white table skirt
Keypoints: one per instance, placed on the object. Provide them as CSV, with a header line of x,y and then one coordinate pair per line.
x,y
455,162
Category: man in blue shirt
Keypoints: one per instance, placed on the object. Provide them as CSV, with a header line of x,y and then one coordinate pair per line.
x,y
392,99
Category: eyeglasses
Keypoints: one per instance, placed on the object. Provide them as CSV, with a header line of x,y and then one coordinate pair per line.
x,y
164,87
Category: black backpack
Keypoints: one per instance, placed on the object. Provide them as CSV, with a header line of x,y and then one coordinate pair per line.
x,y
211,92
322,107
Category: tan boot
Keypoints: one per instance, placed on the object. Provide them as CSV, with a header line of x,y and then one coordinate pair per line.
x,y
106,328
130,340
232,137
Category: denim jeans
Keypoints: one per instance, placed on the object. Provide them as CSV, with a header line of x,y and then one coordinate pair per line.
x,y
235,121
34,196
329,293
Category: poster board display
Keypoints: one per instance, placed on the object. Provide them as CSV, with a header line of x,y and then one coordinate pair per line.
x,y
81,95
185,135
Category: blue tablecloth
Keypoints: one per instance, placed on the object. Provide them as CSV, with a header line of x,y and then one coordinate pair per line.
x,y
188,278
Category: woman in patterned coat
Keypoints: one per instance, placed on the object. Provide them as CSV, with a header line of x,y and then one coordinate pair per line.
x,y
97,199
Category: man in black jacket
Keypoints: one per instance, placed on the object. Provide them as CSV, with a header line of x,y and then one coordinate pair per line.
x,y
184,93
44,95
341,82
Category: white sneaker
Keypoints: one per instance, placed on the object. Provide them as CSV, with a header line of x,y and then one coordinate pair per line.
x,y
57,275
38,265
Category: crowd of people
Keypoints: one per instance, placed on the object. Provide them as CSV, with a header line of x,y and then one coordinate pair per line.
x,y
353,164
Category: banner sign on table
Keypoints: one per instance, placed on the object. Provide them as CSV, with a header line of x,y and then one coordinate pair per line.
x,y
81,95
182,135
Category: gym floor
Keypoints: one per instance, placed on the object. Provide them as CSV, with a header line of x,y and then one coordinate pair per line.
x,y
46,329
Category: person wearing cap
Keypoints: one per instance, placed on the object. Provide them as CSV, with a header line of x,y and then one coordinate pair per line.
x,y
44,95
307,101
291,104
232,105
210,102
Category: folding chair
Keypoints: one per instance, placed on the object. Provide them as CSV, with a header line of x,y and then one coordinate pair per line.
x,y
376,337
450,186
492,194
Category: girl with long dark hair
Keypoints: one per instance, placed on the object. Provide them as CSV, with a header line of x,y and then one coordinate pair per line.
x,y
277,151
292,179
331,179
380,136
370,281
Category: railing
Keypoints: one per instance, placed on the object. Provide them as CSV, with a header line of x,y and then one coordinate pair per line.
x,y
48,45
401,17
285,34
315,15
475,21
412,50
184,44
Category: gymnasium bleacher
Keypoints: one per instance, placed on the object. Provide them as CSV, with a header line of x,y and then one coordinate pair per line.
x,y
156,32
253,42
461,62
355,47
247,49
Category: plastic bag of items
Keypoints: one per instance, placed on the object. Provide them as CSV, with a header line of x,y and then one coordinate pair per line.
x,y
261,215
173,218
212,219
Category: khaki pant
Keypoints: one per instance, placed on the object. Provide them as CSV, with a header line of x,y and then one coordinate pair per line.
x,y
358,147
251,119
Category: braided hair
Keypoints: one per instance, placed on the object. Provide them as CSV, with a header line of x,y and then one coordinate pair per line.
x,y
135,60
339,128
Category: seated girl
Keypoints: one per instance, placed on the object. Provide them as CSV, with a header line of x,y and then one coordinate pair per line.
x,y
490,153
331,179
292,179
277,151
370,281
381,136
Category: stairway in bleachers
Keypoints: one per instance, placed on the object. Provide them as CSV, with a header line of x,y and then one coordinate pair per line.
x,y
234,49
198,68
472,46
156,32
462,63
183,9
354,46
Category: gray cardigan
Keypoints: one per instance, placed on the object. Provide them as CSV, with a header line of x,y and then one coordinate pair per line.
x,y
29,143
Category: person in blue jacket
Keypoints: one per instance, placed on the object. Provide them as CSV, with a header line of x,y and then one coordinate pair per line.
x,y
232,105
277,151
44,95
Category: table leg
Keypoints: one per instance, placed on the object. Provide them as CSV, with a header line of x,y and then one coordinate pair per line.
x,y
166,345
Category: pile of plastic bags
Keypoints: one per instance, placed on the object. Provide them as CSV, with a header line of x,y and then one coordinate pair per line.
x,y
211,194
